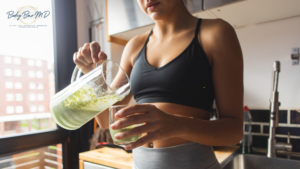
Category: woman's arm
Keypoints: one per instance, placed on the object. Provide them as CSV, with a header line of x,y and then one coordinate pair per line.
x,y
222,47
129,54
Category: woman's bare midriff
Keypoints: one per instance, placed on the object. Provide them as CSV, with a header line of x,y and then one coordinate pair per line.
x,y
180,110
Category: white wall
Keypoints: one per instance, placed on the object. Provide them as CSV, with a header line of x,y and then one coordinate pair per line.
x,y
262,44
84,17
83,20
116,52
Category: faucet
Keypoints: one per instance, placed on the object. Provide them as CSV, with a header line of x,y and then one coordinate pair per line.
x,y
274,108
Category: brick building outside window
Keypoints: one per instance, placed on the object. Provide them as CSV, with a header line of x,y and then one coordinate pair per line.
x,y
26,87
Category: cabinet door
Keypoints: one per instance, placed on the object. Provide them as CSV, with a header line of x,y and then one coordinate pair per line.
x,y
88,165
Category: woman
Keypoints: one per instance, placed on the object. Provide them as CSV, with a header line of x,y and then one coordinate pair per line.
x,y
177,69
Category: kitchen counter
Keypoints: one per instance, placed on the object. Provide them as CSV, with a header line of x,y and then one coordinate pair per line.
x,y
118,158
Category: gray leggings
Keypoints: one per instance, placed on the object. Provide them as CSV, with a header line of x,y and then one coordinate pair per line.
x,y
185,156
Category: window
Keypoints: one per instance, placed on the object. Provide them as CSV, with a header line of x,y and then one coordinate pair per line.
x,y
9,85
40,86
41,108
8,72
38,63
32,97
10,110
19,109
30,62
32,109
17,73
7,60
32,85
18,97
37,130
39,74
51,155
18,85
9,97
17,61
31,74
40,97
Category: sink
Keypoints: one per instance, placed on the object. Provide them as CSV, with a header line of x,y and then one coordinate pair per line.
x,y
246,161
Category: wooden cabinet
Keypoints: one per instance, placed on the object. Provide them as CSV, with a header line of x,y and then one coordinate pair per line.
x,y
106,157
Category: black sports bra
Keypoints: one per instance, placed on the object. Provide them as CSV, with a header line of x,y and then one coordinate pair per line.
x,y
186,80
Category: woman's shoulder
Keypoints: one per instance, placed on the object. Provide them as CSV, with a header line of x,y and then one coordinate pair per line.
x,y
214,35
214,29
134,46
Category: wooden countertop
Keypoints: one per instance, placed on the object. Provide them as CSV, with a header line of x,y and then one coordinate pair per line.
x,y
119,158
224,152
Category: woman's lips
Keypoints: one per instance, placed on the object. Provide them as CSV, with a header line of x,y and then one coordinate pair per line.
x,y
152,7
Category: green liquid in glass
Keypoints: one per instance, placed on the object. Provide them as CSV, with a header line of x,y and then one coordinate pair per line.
x,y
125,140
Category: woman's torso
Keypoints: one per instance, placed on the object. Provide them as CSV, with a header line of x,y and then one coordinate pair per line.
x,y
160,53
179,110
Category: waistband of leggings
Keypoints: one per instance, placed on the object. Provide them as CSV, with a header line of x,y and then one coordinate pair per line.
x,y
180,146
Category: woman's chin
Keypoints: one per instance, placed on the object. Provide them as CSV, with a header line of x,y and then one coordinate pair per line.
x,y
156,16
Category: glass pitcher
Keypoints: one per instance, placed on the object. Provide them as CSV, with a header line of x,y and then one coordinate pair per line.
x,y
89,95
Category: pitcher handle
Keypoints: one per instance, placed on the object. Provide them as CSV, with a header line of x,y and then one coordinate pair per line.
x,y
76,74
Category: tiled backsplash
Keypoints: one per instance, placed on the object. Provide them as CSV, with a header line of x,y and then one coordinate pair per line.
x,y
289,120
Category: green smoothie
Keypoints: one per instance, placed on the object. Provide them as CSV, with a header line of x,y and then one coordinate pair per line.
x,y
125,140
80,107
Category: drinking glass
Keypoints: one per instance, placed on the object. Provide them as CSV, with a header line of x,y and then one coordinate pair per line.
x,y
112,118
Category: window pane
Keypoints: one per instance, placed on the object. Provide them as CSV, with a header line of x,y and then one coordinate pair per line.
x,y
30,62
49,157
9,97
27,68
17,61
9,85
19,109
32,108
39,63
10,110
7,60
8,72
31,74
19,97
32,97
40,97
39,74
18,85
40,86
32,85
17,73
41,108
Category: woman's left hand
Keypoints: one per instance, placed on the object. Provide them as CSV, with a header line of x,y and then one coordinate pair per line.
x,y
156,124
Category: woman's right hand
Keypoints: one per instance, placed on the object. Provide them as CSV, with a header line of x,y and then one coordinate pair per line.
x,y
88,55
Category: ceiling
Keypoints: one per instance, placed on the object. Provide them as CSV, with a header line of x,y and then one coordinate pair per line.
x,y
239,14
